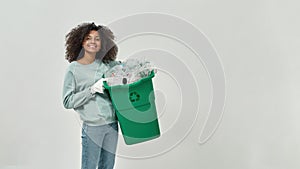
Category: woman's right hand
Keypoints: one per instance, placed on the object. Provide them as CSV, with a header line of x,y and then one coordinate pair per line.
x,y
98,86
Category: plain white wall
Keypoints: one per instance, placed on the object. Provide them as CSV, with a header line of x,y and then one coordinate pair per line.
x,y
257,42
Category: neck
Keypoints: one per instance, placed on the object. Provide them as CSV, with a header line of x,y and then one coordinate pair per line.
x,y
87,58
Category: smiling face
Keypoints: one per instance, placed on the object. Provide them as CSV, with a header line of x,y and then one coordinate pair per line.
x,y
92,43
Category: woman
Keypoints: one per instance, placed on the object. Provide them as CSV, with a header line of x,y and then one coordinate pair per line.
x,y
91,52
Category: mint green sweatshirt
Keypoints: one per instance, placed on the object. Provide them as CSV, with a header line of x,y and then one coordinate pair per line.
x,y
94,110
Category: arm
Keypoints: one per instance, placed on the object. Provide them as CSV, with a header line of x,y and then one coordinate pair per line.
x,y
71,98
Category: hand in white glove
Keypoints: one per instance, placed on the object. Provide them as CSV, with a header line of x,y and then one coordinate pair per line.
x,y
98,86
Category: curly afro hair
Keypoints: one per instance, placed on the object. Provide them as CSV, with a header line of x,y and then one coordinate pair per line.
x,y
76,36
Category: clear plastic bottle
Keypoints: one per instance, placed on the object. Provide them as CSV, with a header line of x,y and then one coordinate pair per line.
x,y
128,72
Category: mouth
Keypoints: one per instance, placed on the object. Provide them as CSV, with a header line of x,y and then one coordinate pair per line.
x,y
92,46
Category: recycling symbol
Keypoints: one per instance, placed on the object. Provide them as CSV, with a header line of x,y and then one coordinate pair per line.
x,y
134,96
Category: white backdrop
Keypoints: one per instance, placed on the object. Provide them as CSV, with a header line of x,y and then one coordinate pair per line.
x,y
258,45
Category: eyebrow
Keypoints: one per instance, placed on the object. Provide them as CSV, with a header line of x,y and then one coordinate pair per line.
x,y
92,36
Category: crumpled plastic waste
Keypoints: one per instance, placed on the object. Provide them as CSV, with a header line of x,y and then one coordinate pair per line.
x,y
129,71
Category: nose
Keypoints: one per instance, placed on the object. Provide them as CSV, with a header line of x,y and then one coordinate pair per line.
x,y
92,40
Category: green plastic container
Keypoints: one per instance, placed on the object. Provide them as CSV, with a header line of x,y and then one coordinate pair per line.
x,y
136,111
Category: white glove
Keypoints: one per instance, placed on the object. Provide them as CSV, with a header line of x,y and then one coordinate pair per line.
x,y
98,86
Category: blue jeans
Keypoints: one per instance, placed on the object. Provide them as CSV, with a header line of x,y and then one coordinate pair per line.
x,y
99,146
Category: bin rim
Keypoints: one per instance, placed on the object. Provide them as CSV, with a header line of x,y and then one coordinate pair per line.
x,y
106,86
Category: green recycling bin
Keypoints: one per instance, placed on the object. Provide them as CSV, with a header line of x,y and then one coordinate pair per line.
x,y
135,109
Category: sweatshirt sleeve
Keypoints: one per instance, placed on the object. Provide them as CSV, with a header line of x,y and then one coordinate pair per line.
x,y
71,98
114,63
